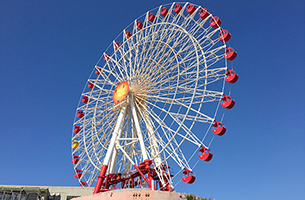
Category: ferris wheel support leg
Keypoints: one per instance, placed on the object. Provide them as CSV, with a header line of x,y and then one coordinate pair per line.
x,y
138,129
153,142
100,179
113,160
116,133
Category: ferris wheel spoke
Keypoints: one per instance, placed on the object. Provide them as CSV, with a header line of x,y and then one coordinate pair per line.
x,y
212,75
112,72
174,155
212,52
145,51
106,129
148,59
176,117
172,148
120,68
100,99
103,71
101,102
186,72
197,99
156,48
153,67
203,117
210,45
128,59
97,95
196,27
159,121
168,58
120,52
188,20
206,36
169,38
104,137
100,87
92,110
150,66
175,152
166,132
201,95
105,123
140,59
164,75
184,79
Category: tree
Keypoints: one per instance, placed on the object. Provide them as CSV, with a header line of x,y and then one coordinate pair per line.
x,y
193,197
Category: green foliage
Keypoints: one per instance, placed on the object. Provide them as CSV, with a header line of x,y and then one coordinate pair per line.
x,y
193,197
190,197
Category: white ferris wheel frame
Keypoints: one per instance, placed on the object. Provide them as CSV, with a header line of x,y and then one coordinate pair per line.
x,y
184,40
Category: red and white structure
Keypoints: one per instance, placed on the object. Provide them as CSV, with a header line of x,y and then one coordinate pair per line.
x,y
153,102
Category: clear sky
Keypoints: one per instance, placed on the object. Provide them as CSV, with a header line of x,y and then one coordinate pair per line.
x,y
49,48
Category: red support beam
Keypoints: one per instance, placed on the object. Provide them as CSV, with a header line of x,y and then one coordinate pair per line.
x,y
100,179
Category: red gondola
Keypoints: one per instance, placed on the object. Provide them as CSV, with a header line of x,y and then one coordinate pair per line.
x,y
230,54
151,17
205,154
85,99
188,176
75,159
215,22
190,9
204,13
164,11
90,85
116,45
177,8
224,35
80,114
76,129
106,57
139,25
231,76
218,128
98,70
227,102
127,34
78,173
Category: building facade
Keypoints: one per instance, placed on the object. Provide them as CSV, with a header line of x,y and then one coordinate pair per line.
x,y
18,192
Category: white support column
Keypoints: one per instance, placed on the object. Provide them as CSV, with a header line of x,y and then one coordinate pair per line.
x,y
113,160
138,129
154,149
116,133
152,141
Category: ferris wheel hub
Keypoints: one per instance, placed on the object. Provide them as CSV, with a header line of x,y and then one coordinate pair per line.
x,y
120,92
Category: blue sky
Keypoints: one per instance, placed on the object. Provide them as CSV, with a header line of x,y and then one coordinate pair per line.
x,y
49,48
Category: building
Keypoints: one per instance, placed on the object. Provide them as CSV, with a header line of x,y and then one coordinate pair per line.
x,y
18,192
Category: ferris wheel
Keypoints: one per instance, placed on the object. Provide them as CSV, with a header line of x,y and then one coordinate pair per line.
x,y
162,76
